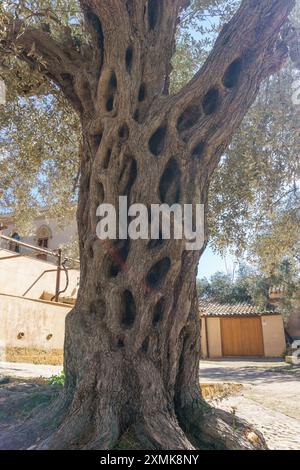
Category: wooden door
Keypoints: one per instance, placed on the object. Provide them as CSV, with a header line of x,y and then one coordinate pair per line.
x,y
242,336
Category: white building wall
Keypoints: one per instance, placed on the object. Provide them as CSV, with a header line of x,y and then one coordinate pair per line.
x,y
30,276
59,236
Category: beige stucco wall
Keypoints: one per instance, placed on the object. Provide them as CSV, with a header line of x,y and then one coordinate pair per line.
x,y
273,334
60,235
214,337
19,275
204,352
25,326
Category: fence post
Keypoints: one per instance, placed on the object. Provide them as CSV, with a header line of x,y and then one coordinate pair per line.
x,y
58,275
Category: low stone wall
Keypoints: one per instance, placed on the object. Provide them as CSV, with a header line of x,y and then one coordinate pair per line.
x,y
53,357
31,330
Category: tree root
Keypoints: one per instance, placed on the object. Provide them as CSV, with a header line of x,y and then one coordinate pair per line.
x,y
162,432
85,428
83,431
212,428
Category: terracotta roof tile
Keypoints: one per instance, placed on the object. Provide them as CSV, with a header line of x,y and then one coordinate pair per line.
x,y
213,309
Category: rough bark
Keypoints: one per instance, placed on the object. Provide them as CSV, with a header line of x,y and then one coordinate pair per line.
x,y
132,342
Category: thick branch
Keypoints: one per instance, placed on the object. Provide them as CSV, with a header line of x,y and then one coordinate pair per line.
x,y
142,31
212,105
63,65
255,27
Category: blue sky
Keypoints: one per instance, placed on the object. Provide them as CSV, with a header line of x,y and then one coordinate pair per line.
x,y
210,263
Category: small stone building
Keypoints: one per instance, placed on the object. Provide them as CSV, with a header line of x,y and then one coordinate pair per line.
x,y
240,330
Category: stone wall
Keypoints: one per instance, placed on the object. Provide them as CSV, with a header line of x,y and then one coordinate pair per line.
x,y
31,330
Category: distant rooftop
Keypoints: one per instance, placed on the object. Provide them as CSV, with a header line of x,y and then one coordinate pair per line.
x,y
213,309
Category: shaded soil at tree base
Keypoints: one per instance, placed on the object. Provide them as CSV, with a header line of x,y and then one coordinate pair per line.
x,y
21,400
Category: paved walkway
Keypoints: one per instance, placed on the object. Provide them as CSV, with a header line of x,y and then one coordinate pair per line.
x,y
269,399
27,371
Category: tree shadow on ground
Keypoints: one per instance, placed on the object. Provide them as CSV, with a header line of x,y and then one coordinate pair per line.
x,y
250,374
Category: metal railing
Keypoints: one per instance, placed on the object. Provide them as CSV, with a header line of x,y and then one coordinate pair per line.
x,y
57,254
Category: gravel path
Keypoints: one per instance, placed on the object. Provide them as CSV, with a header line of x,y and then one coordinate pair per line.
x,y
269,399
280,431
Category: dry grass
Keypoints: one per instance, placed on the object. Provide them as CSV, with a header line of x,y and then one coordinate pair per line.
x,y
218,391
34,356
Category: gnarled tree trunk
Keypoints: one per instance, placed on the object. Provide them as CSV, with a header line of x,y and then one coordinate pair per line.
x,y
132,344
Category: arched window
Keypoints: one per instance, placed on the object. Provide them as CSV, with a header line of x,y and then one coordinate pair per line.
x,y
43,235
